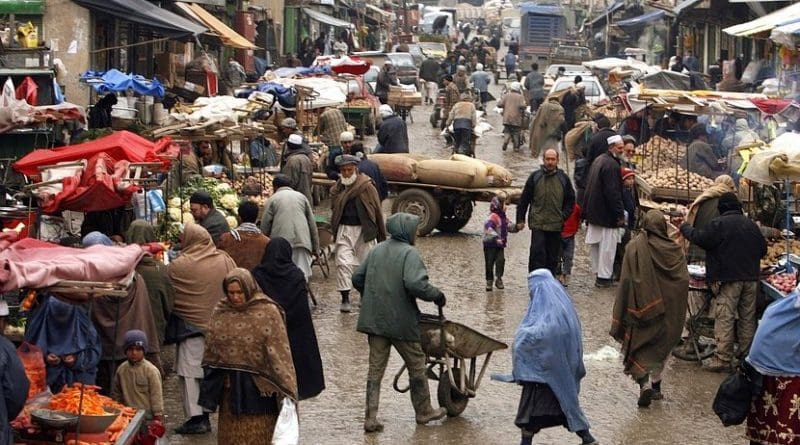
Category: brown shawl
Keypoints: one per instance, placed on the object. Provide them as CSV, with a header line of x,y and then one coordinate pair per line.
x,y
364,190
252,338
546,127
650,307
134,313
722,184
196,276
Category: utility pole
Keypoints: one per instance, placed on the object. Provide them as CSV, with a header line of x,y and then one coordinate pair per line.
x,y
608,28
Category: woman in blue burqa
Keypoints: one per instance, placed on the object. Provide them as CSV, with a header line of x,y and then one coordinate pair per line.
x,y
68,340
548,362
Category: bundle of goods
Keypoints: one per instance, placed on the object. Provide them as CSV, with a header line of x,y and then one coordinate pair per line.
x,y
404,96
676,178
458,171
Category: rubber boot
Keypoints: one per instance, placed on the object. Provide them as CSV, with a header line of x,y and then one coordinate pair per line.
x,y
421,399
345,307
371,424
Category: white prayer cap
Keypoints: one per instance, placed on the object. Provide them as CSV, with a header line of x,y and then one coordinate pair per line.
x,y
614,140
295,139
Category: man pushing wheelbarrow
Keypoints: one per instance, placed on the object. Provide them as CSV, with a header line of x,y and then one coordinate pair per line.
x,y
390,280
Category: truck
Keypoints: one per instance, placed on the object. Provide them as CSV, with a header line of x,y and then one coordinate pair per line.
x,y
542,26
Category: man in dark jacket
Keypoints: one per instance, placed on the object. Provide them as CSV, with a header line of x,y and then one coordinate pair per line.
x,y
429,72
393,133
534,85
390,280
202,208
604,211
371,169
386,78
734,246
598,144
14,388
549,194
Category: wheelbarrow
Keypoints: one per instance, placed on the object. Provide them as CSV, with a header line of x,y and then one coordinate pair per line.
x,y
454,350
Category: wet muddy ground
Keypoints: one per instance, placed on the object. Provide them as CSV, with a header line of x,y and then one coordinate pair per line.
x,y
455,264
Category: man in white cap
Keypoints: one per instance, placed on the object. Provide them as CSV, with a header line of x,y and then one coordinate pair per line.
x,y
356,221
480,80
461,79
393,133
603,210
298,166
386,78
513,105
346,139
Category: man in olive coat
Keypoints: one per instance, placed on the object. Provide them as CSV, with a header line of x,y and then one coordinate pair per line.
x,y
390,280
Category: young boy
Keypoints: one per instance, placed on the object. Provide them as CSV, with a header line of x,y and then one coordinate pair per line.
x,y
568,232
138,383
495,239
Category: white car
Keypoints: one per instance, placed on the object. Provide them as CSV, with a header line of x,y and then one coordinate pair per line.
x,y
593,89
551,73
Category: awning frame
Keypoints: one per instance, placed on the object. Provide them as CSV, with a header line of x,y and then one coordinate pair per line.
x,y
609,11
768,22
162,21
228,36
640,20
325,18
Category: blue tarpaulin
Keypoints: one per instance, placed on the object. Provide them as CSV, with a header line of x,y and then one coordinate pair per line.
x,y
641,20
115,81
601,19
533,8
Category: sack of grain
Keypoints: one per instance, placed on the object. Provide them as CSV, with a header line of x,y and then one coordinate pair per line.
x,y
577,139
496,175
396,166
481,178
447,172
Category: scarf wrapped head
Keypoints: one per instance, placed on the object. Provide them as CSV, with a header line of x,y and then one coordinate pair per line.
x,y
722,184
140,232
548,347
252,338
61,328
776,344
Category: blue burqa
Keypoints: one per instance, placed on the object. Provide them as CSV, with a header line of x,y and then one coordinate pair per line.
x,y
776,344
64,329
548,346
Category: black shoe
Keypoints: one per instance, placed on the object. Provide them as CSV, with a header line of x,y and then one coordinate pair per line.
x,y
603,282
195,425
645,397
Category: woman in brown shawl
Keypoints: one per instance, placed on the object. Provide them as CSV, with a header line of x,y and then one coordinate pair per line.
x,y
703,210
248,363
195,275
651,304
154,273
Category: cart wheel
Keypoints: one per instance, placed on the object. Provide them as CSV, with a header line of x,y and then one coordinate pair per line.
x,y
455,214
421,203
449,398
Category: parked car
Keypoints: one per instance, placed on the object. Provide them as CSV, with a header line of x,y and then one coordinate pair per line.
x,y
415,51
593,89
407,72
551,73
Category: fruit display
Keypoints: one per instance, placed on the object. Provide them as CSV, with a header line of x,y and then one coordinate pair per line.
x,y
784,282
676,178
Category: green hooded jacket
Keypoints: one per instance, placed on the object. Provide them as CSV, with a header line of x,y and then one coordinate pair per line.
x,y
390,280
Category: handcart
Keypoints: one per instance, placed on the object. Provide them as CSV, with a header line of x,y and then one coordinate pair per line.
x,y
699,323
454,349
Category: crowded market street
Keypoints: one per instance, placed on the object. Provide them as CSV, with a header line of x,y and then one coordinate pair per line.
x,y
455,264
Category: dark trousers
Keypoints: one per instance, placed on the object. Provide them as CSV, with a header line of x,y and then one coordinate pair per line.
x,y
535,104
545,250
495,262
620,254
463,141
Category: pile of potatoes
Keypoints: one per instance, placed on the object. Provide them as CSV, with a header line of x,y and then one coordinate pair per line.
x,y
677,179
776,250
660,152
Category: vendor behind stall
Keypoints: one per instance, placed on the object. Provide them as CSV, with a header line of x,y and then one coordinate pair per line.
x,y
214,153
202,207
700,157
68,340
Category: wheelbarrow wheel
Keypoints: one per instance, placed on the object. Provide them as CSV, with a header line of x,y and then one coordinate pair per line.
x,y
449,398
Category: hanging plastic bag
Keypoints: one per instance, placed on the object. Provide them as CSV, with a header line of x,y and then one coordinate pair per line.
x,y
33,360
287,429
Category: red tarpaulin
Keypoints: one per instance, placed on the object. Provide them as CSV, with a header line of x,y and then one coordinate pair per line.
x,y
98,188
771,106
119,146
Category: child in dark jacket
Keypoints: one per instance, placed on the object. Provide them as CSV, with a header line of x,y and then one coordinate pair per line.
x,y
495,239
568,232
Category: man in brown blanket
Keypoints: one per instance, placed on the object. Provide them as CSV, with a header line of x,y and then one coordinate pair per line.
x,y
245,244
651,304
357,222
547,127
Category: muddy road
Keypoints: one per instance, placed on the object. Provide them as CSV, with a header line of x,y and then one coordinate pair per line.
x,y
455,264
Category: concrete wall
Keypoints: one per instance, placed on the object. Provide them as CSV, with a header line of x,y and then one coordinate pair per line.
x,y
67,28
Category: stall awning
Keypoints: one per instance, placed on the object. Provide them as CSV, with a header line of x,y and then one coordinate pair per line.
x,y
641,20
785,34
380,11
228,36
684,6
146,14
601,19
325,18
783,16
22,7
